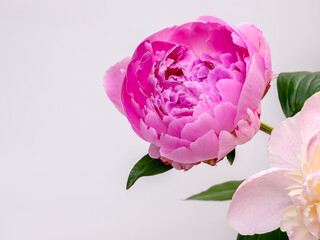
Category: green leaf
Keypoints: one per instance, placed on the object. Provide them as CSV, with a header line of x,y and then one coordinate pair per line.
x,y
295,88
146,166
231,156
220,192
275,235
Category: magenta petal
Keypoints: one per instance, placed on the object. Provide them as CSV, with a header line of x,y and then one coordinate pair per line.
x,y
229,90
152,120
212,19
258,204
154,151
254,35
204,148
148,133
224,117
169,143
196,129
244,132
253,88
251,33
176,125
113,80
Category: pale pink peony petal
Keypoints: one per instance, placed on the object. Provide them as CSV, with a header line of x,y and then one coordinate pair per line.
x,y
113,80
259,202
295,228
313,153
310,118
285,145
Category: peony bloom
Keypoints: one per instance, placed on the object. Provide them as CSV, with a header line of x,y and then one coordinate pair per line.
x,y
193,91
288,194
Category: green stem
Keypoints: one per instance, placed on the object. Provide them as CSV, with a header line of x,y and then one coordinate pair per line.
x,y
265,128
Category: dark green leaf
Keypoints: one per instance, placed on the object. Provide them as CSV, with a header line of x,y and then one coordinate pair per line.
x,y
275,235
146,166
220,192
231,156
295,88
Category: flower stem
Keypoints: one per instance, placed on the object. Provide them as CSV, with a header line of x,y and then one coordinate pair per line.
x,y
265,128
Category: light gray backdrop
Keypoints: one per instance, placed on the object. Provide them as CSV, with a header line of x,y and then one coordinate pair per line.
x,y
65,151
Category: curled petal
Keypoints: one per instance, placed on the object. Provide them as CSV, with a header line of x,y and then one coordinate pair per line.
x,y
244,131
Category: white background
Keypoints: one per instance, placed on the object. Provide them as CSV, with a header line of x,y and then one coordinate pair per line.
x,y
65,151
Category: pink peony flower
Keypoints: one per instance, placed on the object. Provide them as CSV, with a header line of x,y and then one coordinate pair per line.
x,y
288,194
193,91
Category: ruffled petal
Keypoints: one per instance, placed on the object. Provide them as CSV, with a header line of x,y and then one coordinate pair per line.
x,y
259,202
113,80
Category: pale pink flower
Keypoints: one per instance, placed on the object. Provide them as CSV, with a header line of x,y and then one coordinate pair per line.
x,y
194,91
288,194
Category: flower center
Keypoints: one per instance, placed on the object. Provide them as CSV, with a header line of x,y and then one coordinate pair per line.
x,y
185,83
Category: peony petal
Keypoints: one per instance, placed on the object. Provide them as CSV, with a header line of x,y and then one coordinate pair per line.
x,y
285,145
248,127
153,120
294,226
169,143
229,90
148,133
154,151
313,153
310,118
258,204
203,124
113,80
253,88
251,33
243,133
254,35
204,148
212,19
176,125
224,117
